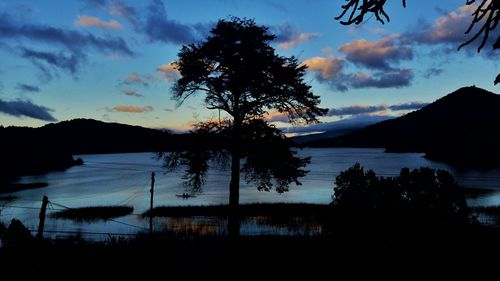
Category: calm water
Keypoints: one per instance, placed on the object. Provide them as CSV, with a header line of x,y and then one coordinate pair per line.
x,y
112,179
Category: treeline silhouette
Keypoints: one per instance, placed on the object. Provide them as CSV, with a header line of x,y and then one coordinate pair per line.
x,y
462,127
27,150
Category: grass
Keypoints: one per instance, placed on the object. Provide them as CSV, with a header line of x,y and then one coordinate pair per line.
x,y
91,214
245,210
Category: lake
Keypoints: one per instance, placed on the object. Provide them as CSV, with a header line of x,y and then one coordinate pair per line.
x,y
115,179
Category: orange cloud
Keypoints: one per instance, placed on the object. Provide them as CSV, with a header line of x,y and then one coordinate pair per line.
x,y
169,72
136,78
326,67
276,116
130,109
377,54
295,41
85,21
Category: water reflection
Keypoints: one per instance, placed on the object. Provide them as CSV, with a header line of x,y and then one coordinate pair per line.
x,y
118,179
260,225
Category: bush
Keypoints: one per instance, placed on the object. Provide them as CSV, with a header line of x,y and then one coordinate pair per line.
x,y
16,234
419,196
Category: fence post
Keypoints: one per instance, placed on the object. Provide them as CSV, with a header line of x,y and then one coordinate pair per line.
x,y
152,190
43,209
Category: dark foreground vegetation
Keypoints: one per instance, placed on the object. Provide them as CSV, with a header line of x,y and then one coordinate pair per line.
x,y
416,226
90,214
419,253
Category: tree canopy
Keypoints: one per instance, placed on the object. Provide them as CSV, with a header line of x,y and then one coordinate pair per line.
x,y
238,72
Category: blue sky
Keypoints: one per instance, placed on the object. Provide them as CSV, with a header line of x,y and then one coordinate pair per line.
x,y
109,59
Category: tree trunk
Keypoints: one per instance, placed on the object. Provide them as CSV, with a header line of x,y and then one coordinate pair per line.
x,y
234,185
234,195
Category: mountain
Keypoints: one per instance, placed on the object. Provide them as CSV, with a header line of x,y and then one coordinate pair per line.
x,y
333,129
39,150
462,127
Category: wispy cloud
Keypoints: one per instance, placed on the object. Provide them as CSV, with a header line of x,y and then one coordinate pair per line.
x,y
447,32
60,60
359,109
26,88
26,108
432,72
129,13
136,78
132,93
397,78
130,109
159,28
295,41
448,28
72,40
289,37
85,21
72,46
169,72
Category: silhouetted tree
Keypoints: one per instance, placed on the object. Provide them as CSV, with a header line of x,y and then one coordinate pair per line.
x,y
486,17
16,234
422,195
240,74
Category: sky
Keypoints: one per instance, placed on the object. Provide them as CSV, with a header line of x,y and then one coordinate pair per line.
x,y
110,60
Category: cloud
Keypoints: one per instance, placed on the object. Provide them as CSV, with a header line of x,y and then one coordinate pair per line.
x,y
168,110
27,88
331,70
129,13
73,45
26,108
130,109
359,109
356,109
132,93
351,123
169,72
57,60
159,28
73,40
289,37
295,41
408,106
275,116
96,2
377,54
85,21
448,32
325,68
432,72
386,79
136,78
448,28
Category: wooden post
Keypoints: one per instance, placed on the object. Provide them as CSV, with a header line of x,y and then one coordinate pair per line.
x,y
152,190
43,209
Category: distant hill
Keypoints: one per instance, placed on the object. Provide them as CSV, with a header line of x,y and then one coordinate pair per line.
x,y
462,127
38,150
335,128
